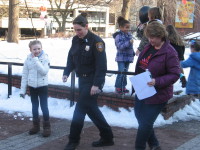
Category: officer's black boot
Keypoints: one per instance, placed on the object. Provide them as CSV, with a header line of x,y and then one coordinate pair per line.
x,y
103,142
155,148
71,146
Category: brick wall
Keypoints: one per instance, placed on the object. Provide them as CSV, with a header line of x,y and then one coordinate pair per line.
x,y
111,100
58,91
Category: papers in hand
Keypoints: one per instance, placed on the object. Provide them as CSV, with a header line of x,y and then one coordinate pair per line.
x,y
141,88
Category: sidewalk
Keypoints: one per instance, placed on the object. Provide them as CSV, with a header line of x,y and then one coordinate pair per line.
x,y
14,135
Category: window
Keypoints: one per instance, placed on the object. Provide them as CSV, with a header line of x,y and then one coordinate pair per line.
x,y
112,18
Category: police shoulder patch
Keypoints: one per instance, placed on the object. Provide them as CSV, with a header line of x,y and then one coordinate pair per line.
x,y
100,46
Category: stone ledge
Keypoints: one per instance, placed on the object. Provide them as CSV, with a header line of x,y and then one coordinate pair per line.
x,y
175,104
112,100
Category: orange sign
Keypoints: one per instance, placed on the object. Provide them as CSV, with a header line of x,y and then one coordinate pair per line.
x,y
184,14
42,8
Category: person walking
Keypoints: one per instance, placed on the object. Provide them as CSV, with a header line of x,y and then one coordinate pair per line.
x,y
177,43
193,84
160,58
125,53
35,75
87,57
147,16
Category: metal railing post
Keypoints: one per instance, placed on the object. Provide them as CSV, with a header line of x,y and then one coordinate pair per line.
x,y
9,80
72,94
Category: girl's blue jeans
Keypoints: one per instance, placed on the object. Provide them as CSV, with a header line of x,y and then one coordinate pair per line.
x,y
121,80
39,95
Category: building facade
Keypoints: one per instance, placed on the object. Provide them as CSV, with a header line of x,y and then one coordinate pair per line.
x,y
39,17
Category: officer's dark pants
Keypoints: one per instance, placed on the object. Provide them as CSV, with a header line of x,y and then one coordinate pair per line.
x,y
87,104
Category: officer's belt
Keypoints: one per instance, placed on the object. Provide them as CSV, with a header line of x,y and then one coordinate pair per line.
x,y
85,74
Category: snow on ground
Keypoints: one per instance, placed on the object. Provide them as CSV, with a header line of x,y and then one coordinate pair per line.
x,y
57,50
60,108
192,36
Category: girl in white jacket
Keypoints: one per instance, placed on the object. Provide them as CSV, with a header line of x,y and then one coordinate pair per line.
x,y
35,76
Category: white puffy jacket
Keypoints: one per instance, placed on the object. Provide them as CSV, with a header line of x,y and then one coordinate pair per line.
x,y
35,72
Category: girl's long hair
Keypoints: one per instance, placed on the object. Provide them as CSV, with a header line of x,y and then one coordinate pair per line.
x,y
173,36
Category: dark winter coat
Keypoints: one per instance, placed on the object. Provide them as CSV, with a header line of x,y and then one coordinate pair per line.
x,y
125,52
140,34
193,84
87,57
165,69
180,50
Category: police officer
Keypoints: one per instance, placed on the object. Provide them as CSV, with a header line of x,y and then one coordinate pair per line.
x,y
87,56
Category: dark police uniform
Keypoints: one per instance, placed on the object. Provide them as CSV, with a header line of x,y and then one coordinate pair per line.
x,y
87,56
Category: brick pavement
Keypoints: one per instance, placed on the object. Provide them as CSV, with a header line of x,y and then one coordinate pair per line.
x,y
26,142
190,127
193,144
178,136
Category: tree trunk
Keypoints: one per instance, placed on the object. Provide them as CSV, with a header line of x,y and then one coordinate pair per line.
x,y
62,29
168,8
126,9
13,28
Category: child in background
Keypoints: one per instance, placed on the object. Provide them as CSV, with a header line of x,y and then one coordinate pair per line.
x,y
177,43
193,84
35,75
125,53
154,14
143,17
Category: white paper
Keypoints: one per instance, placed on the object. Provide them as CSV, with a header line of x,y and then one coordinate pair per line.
x,y
139,83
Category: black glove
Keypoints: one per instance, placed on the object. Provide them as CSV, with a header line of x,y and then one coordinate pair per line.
x,y
133,91
183,81
22,95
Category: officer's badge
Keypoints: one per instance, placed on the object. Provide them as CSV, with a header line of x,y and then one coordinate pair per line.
x,y
87,48
100,46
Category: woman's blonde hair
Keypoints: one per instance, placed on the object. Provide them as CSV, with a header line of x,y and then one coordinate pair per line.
x,y
173,35
34,43
156,29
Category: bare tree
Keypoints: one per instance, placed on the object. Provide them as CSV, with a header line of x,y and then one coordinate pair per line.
x,y
4,9
197,15
115,7
70,6
168,8
145,2
169,14
56,6
126,9
135,7
13,29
